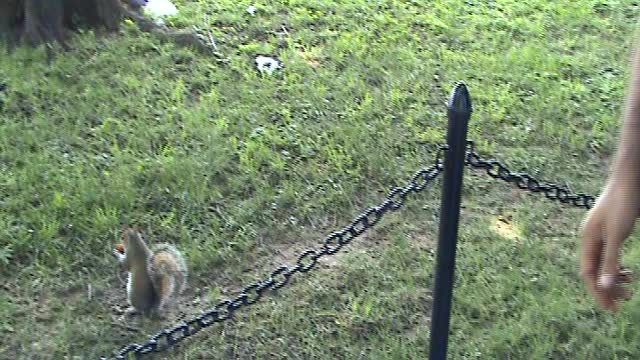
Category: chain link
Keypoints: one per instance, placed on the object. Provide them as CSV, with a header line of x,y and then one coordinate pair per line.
x,y
280,277
527,182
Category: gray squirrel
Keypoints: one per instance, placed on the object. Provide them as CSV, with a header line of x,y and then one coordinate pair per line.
x,y
155,276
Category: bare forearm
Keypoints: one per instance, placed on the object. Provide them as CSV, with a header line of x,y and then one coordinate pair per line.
x,y
627,159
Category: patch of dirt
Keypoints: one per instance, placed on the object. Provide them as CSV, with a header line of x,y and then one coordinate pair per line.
x,y
503,226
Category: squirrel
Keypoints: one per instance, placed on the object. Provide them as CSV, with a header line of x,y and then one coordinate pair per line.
x,y
155,276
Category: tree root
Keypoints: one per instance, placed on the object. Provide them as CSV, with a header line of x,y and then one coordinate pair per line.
x,y
180,37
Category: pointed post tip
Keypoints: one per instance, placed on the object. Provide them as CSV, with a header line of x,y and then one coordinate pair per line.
x,y
460,100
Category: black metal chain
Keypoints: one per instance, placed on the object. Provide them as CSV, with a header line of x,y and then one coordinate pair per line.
x,y
280,277
525,181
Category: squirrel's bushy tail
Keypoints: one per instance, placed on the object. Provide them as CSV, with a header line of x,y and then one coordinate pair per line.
x,y
170,269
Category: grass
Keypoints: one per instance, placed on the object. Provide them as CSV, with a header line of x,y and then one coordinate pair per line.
x,y
242,171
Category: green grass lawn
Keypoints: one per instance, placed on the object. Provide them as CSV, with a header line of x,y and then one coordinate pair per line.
x,y
243,171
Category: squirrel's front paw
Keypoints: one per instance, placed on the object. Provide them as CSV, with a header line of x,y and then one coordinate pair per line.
x,y
118,255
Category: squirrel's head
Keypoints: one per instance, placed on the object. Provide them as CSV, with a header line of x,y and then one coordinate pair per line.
x,y
132,239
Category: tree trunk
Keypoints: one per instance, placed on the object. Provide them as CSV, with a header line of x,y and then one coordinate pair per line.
x,y
36,22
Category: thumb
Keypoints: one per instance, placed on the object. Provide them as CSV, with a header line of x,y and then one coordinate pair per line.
x,y
619,221
607,286
615,233
611,263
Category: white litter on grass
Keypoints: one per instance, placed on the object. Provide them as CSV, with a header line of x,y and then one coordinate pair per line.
x,y
267,64
252,10
159,9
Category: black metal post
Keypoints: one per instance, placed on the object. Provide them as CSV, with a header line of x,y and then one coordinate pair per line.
x,y
459,112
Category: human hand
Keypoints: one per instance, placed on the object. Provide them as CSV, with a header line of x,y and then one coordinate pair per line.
x,y
604,229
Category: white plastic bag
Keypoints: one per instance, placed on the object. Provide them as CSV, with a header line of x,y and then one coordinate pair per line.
x,y
157,9
160,8
267,64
